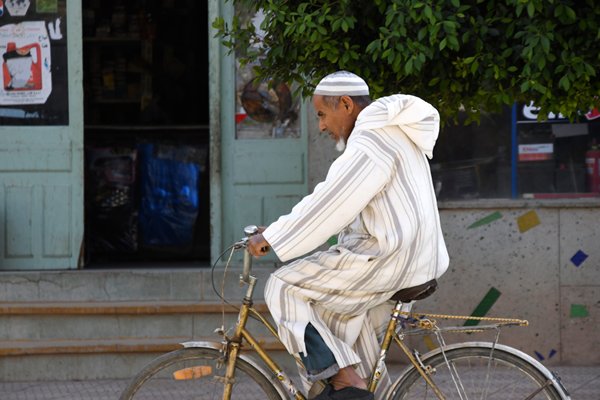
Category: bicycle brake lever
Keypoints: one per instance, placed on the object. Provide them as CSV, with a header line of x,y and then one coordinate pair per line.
x,y
241,244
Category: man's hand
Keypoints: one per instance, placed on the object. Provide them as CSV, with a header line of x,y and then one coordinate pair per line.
x,y
257,245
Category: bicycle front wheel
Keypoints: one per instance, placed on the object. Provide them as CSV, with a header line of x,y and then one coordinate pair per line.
x,y
195,373
476,372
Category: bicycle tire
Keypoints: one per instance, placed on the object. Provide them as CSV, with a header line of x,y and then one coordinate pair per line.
x,y
511,377
156,380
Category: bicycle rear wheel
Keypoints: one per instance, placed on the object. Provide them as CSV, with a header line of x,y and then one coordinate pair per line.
x,y
193,373
475,372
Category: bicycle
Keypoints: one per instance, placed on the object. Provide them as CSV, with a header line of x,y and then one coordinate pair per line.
x,y
466,370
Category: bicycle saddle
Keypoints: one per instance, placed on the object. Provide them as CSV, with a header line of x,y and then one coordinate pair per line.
x,y
416,292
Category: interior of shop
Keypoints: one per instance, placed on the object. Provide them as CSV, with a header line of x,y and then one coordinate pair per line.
x,y
146,132
553,157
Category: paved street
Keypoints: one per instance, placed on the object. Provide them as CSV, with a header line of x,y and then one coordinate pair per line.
x,y
582,382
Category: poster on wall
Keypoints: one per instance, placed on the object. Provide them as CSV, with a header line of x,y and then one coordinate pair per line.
x,y
264,109
33,53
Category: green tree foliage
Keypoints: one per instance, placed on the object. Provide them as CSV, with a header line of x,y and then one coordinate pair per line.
x,y
472,55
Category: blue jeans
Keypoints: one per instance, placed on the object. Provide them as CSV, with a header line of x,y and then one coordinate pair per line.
x,y
319,360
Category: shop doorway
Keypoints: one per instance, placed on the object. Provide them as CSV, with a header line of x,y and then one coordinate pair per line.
x,y
146,132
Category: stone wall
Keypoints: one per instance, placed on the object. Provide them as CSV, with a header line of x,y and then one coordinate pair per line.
x,y
540,261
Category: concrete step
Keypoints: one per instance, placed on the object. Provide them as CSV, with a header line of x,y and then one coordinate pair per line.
x,y
99,365
125,285
107,339
113,346
112,320
118,320
82,346
97,324
116,308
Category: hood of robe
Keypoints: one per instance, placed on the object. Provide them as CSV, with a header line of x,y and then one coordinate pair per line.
x,y
419,120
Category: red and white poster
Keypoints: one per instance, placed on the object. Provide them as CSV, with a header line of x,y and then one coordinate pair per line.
x,y
26,61
536,152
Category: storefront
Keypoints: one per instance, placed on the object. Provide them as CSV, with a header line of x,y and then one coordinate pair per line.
x,y
113,153
170,173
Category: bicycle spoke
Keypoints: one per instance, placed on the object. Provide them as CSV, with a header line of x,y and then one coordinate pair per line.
x,y
471,373
198,374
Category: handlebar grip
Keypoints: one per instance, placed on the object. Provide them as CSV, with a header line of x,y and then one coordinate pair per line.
x,y
250,230
247,266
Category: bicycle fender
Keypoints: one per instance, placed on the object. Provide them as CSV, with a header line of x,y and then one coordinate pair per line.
x,y
250,360
487,345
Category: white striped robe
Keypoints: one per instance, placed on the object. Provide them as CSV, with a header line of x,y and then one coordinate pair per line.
x,y
378,195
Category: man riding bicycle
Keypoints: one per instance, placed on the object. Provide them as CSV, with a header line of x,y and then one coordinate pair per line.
x,y
378,196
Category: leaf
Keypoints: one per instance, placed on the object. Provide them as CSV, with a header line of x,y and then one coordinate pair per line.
x,y
519,9
449,26
564,83
541,63
453,42
571,13
336,24
434,81
373,46
540,88
396,64
389,18
545,44
590,70
428,13
408,67
530,9
345,25
442,44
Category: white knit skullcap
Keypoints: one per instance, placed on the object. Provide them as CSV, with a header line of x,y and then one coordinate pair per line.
x,y
342,83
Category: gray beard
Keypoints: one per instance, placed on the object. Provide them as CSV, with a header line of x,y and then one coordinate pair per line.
x,y
340,145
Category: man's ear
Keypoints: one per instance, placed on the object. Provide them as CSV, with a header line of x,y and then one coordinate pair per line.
x,y
347,103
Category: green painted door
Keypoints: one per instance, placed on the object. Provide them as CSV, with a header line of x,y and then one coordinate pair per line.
x,y
41,143
263,146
